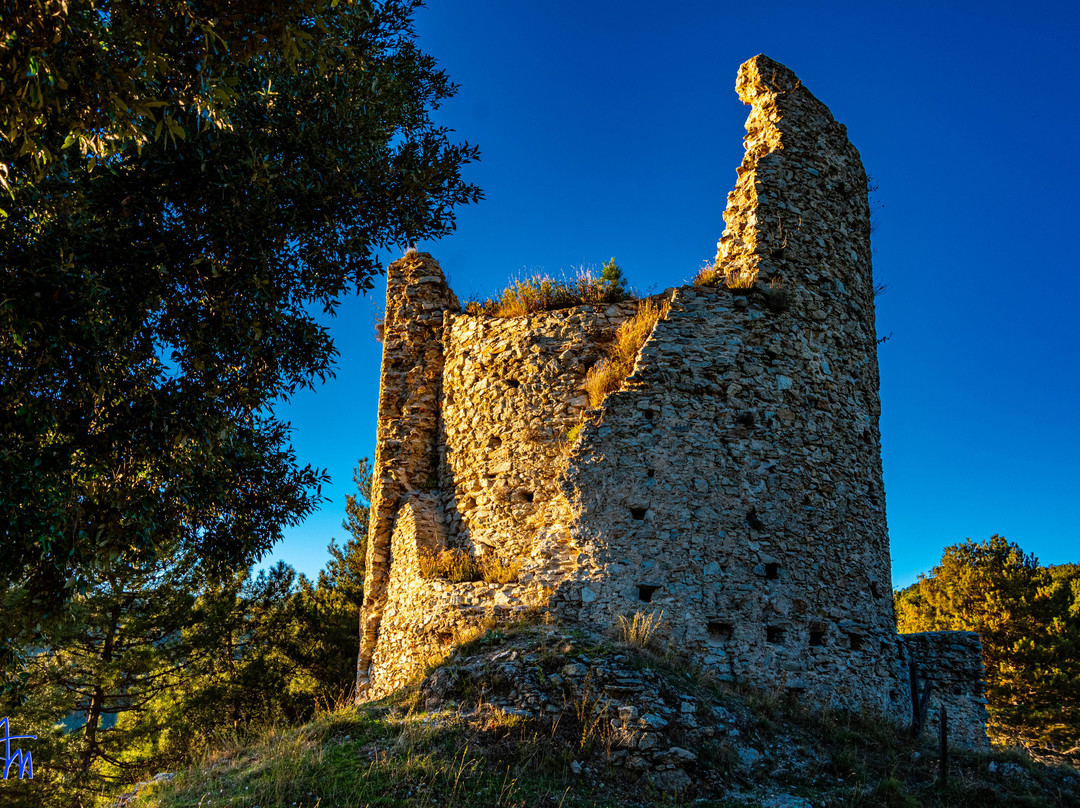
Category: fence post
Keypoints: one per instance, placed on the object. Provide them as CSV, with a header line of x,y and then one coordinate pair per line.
x,y
944,748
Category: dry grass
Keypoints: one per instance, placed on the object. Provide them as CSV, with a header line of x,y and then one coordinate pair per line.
x,y
607,375
542,293
711,274
457,566
640,629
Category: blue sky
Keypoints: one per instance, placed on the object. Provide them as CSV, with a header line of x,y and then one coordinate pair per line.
x,y
613,129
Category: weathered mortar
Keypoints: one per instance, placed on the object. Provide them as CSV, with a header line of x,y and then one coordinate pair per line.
x,y
734,482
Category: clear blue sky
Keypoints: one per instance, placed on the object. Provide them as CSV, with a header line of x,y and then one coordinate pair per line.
x,y
613,129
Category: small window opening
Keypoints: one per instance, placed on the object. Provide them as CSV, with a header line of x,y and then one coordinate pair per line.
x,y
772,571
875,590
718,631
893,695
817,634
645,592
527,496
745,419
494,442
650,473
856,642
774,634
650,414
513,383
638,513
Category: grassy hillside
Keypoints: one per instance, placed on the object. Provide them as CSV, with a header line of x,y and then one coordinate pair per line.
x,y
538,716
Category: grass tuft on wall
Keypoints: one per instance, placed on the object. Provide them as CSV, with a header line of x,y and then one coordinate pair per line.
x,y
608,375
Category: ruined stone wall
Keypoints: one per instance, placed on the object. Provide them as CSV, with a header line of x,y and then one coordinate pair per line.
x,y
474,414
733,484
422,616
410,388
512,389
953,664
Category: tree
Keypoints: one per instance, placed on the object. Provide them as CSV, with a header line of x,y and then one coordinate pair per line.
x,y
103,79
90,684
1028,617
612,280
351,560
157,296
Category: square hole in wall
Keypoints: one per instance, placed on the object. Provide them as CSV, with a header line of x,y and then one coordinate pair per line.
x,y
650,414
772,571
719,631
645,592
774,634
638,513
856,642
650,473
512,383
527,496
817,634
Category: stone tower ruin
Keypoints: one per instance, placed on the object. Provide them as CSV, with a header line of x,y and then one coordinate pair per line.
x,y
733,483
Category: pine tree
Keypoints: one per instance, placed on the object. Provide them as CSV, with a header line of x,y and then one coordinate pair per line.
x,y
1028,617
612,281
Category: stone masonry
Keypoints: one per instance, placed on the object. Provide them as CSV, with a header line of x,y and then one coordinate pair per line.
x,y
732,486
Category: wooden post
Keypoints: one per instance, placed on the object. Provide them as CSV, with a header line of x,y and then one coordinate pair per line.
x,y
920,702
943,772
914,677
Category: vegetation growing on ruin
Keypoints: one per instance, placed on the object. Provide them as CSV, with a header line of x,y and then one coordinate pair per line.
x,y
713,274
543,293
640,629
1028,617
458,566
607,375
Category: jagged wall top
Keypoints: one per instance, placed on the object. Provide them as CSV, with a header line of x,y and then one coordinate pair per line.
x,y
799,209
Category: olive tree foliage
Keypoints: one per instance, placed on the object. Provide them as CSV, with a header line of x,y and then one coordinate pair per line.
x,y
185,186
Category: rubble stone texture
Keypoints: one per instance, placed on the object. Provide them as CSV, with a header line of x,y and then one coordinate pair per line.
x,y
732,485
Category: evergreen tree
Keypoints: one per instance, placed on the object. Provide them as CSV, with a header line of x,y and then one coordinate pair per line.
x,y
612,281
120,646
1028,617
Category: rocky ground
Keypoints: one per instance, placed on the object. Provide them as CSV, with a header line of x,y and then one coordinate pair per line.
x,y
542,716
